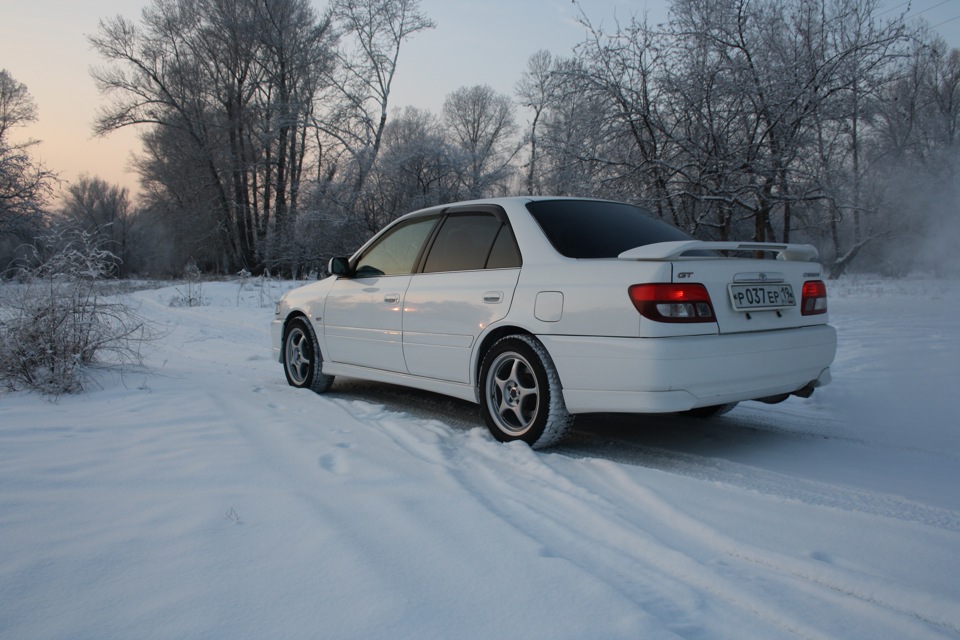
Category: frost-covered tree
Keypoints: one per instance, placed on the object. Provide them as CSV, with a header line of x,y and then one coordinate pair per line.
x,y
25,184
360,84
753,118
224,92
537,91
415,168
912,169
480,125
104,212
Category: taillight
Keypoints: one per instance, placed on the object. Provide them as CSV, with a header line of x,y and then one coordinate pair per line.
x,y
673,302
814,300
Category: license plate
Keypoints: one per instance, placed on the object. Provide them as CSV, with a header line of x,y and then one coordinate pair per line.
x,y
762,296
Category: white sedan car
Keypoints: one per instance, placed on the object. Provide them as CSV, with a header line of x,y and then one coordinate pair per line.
x,y
539,309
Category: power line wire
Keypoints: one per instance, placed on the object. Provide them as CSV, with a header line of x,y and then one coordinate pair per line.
x,y
894,8
945,22
919,13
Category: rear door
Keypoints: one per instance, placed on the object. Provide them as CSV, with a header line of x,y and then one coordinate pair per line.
x,y
467,283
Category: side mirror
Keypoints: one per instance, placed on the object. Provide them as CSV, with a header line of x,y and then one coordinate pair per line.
x,y
339,266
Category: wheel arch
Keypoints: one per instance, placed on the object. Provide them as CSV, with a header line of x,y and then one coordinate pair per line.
x,y
490,339
293,315
303,365
523,359
296,314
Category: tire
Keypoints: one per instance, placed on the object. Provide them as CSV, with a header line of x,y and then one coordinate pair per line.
x,y
711,412
302,361
520,393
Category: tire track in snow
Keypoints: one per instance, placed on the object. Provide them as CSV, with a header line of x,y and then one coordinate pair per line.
x,y
653,553
583,528
771,483
659,442
894,608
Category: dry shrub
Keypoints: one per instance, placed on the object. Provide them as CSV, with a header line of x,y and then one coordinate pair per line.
x,y
60,319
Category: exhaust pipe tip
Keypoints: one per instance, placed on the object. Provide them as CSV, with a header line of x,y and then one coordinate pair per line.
x,y
777,399
806,390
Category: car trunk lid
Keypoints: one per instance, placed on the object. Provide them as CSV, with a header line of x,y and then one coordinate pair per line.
x,y
748,293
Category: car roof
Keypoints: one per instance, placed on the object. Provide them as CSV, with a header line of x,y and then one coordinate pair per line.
x,y
504,202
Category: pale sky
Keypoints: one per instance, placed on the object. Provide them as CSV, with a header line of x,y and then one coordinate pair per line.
x,y
43,45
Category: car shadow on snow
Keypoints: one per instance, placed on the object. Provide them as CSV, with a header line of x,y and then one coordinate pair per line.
x,y
657,440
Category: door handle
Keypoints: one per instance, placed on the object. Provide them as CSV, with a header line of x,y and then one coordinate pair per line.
x,y
493,297
392,298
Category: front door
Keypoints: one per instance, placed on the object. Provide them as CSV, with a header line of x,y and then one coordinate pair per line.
x,y
362,322
363,314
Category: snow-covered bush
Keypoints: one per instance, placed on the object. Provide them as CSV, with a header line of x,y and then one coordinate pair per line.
x,y
191,294
60,319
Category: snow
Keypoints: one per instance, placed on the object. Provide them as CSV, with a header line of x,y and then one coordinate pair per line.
x,y
202,497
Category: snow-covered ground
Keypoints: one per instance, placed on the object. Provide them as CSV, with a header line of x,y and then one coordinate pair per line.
x,y
204,498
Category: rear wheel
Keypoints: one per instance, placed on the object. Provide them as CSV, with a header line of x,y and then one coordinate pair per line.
x,y
520,393
302,362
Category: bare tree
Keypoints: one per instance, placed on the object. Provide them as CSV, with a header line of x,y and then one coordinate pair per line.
x,y
912,167
371,33
297,52
104,213
25,184
741,116
230,84
480,125
571,132
415,168
536,91
629,156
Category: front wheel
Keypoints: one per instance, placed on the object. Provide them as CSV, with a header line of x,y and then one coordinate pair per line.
x,y
520,393
302,362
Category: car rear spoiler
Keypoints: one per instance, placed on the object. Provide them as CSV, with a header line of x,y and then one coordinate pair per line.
x,y
675,250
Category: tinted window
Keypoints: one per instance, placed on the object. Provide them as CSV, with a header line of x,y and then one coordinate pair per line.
x,y
396,252
505,254
590,229
464,243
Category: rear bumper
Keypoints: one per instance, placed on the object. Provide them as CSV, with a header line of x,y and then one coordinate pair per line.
x,y
656,375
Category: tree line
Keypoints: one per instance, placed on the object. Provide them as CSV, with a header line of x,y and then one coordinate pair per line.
x,y
270,140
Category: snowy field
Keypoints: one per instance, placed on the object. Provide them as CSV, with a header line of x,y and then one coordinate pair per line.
x,y
204,498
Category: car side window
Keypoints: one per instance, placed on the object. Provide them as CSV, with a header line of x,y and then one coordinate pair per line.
x,y
469,241
505,253
396,252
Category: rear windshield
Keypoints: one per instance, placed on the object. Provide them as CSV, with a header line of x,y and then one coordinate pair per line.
x,y
592,229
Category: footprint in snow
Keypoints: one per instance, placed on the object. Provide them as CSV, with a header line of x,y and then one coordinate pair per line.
x,y
335,462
